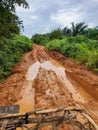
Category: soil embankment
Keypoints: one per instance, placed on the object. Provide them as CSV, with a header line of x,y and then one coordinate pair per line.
x,y
49,80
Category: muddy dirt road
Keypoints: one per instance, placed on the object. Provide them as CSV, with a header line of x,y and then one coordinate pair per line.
x,y
49,80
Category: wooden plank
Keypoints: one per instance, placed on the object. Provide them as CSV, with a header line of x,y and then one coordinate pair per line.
x,y
36,112
9,109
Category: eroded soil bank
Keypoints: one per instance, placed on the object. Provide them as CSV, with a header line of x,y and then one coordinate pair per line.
x,y
49,80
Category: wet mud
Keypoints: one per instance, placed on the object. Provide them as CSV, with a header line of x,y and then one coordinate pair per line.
x,y
47,80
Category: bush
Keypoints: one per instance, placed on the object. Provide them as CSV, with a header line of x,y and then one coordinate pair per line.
x,y
10,52
80,48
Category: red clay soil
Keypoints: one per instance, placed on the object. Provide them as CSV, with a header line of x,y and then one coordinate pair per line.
x,y
46,80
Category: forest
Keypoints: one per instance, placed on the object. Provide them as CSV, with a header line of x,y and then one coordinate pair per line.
x,y
12,44
79,42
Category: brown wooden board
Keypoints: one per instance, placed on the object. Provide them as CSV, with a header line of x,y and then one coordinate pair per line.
x,y
9,109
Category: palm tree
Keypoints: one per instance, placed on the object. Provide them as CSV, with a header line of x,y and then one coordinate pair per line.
x,y
66,31
78,28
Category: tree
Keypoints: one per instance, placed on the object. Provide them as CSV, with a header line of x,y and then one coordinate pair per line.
x,y
55,34
92,33
78,28
66,31
9,21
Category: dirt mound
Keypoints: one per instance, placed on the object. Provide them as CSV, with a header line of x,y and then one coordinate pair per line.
x,y
49,80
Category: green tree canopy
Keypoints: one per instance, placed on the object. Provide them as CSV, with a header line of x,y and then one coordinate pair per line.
x,y
66,31
9,21
11,4
78,28
92,33
56,33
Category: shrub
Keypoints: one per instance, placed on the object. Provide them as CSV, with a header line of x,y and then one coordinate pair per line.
x,y
10,52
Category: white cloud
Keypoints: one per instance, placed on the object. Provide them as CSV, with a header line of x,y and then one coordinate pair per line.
x,y
34,17
95,1
21,10
65,17
46,15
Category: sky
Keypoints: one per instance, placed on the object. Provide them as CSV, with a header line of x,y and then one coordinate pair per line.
x,y
44,16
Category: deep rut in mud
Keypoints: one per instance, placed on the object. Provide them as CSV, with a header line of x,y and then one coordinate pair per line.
x,y
49,80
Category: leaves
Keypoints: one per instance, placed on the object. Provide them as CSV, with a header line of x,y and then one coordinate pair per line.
x,y
78,28
10,52
9,21
80,48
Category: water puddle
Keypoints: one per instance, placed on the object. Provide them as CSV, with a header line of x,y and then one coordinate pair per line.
x,y
75,93
60,72
27,101
34,69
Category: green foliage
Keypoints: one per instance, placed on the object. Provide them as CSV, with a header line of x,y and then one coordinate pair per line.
x,y
66,31
93,60
43,39
55,44
10,4
78,28
92,33
55,34
80,48
10,52
40,39
77,42
9,21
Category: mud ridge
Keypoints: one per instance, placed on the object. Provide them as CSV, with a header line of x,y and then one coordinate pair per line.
x,y
47,80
